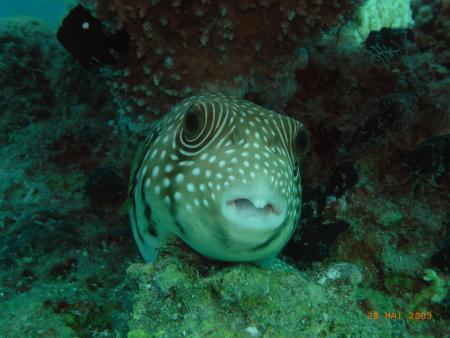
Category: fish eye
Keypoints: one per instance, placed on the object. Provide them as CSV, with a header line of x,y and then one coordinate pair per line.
x,y
192,122
301,142
85,25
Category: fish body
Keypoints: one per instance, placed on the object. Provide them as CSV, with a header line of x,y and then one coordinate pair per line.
x,y
83,36
223,175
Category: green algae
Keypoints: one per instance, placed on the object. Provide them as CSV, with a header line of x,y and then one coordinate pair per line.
x,y
176,297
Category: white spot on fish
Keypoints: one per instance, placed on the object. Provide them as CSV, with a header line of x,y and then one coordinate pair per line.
x,y
167,200
155,171
166,182
186,163
168,168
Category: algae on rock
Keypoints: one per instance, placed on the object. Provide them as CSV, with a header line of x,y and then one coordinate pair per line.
x,y
183,295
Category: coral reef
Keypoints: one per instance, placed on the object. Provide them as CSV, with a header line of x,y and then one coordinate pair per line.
x,y
373,242
53,239
377,124
181,47
175,297
26,89
374,15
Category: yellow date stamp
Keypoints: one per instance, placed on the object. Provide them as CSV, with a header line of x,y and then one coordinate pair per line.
x,y
398,315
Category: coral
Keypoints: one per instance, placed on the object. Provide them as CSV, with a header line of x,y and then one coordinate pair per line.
x,y
182,47
379,138
432,25
177,296
342,275
374,15
390,237
439,286
82,143
376,181
47,232
26,51
379,148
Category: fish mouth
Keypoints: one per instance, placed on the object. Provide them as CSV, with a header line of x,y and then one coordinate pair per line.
x,y
254,208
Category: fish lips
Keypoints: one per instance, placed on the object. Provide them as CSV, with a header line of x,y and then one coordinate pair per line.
x,y
258,208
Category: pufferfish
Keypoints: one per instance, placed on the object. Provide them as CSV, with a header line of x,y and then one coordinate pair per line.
x,y
222,174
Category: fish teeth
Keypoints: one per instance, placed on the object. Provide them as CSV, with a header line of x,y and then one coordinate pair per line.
x,y
259,203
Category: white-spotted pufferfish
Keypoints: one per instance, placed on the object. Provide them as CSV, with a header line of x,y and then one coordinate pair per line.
x,y
223,175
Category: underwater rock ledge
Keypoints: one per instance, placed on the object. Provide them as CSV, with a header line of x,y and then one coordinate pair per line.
x,y
182,294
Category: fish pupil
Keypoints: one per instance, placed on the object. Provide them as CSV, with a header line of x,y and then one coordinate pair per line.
x,y
191,123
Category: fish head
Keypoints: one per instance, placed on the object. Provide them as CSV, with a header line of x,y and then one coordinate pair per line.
x,y
83,36
228,174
